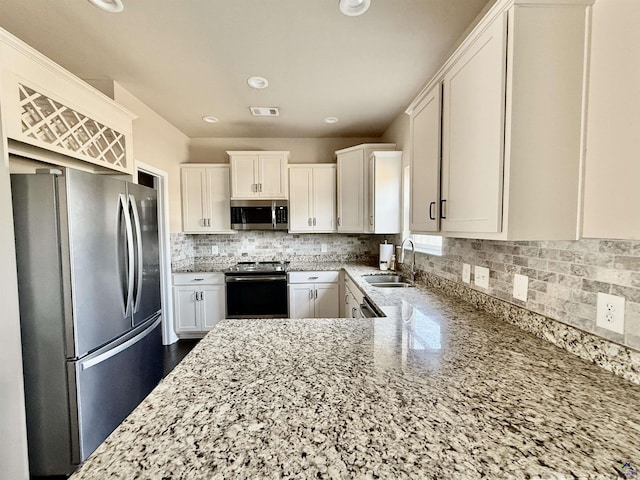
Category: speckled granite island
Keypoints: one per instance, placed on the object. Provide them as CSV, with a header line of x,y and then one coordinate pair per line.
x,y
437,389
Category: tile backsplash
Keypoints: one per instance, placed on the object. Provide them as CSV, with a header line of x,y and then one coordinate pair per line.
x,y
564,277
266,245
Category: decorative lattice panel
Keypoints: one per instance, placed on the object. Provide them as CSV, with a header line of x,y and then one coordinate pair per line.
x,y
51,122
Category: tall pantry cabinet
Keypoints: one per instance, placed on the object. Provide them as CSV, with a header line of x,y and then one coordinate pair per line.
x,y
505,143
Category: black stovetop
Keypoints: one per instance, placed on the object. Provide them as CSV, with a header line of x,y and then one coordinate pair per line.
x,y
274,266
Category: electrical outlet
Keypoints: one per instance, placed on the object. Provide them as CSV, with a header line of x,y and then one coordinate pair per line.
x,y
215,250
481,277
610,313
323,247
520,287
466,273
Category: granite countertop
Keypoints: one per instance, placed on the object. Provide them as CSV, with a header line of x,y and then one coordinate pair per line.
x,y
437,389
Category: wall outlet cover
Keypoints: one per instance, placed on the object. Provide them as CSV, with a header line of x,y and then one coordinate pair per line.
x,y
610,312
520,287
481,277
215,250
323,247
466,273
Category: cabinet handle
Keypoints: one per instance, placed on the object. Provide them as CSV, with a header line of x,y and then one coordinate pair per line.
x,y
260,187
198,279
312,278
310,294
371,220
346,299
431,215
316,294
309,221
353,312
442,205
339,223
314,221
254,187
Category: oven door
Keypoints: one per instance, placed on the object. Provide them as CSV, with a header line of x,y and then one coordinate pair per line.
x,y
257,296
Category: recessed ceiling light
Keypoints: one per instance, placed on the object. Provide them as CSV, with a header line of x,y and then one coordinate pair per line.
x,y
353,8
111,6
331,120
210,119
258,82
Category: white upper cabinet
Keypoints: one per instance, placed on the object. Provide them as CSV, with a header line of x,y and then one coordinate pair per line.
x,y
312,198
425,162
512,127
385,192
353,186
45,106
205,198
258,175
473,133
612,172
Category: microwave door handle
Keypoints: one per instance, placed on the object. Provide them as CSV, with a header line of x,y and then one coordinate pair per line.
x,y
273,215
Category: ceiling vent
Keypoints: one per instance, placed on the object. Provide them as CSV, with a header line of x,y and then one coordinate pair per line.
x,y
264,111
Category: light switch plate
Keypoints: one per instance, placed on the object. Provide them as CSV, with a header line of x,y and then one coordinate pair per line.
x,y
323,247
215,250
466,273
610,312
520,287
481,277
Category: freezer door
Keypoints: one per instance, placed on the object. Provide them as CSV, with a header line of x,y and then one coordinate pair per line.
x,y
97,259
110,383
146,286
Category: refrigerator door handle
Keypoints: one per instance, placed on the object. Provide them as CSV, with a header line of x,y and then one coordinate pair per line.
x,y
130,264
138,246
92,362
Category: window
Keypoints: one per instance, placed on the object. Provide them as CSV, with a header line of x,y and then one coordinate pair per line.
x,y
431,244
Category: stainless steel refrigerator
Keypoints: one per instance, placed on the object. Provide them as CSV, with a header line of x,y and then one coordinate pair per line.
x,y
89,287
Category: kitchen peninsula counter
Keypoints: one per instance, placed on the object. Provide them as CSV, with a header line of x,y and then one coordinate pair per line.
x,y
437,389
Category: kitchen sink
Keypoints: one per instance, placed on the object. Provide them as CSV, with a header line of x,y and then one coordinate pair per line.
x,y
387,281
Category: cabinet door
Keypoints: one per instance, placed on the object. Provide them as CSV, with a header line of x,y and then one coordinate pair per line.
x,y
351,192
326,300
219,210
300,201
186,309
301,301
244,176
473,135
425,163
272,176
212,306
324,199
194,201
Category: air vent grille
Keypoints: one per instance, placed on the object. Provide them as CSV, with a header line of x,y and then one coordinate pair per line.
x,y
264,111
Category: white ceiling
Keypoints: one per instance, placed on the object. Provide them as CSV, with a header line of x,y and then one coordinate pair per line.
x,y
190,58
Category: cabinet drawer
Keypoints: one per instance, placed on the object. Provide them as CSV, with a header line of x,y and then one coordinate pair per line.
x,y
211,278
314,277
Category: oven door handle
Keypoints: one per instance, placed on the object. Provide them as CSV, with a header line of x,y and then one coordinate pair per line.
x,y
255,278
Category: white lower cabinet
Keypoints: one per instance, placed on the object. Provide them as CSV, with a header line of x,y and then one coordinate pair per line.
x,y
314,294
353,297
198,302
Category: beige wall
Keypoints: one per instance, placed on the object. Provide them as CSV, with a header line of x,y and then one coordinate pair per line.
x,y
13,434
612,175
159,144
303,150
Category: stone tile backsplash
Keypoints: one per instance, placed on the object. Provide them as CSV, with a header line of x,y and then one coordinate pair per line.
x,y
266,245
564,277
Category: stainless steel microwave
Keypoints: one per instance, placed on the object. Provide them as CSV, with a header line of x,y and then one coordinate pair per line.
x,y
259,214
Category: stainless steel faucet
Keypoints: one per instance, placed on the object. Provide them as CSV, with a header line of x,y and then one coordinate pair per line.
x,y
413,259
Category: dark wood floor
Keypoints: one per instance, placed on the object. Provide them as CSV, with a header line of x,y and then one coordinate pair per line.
x,y
172,356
